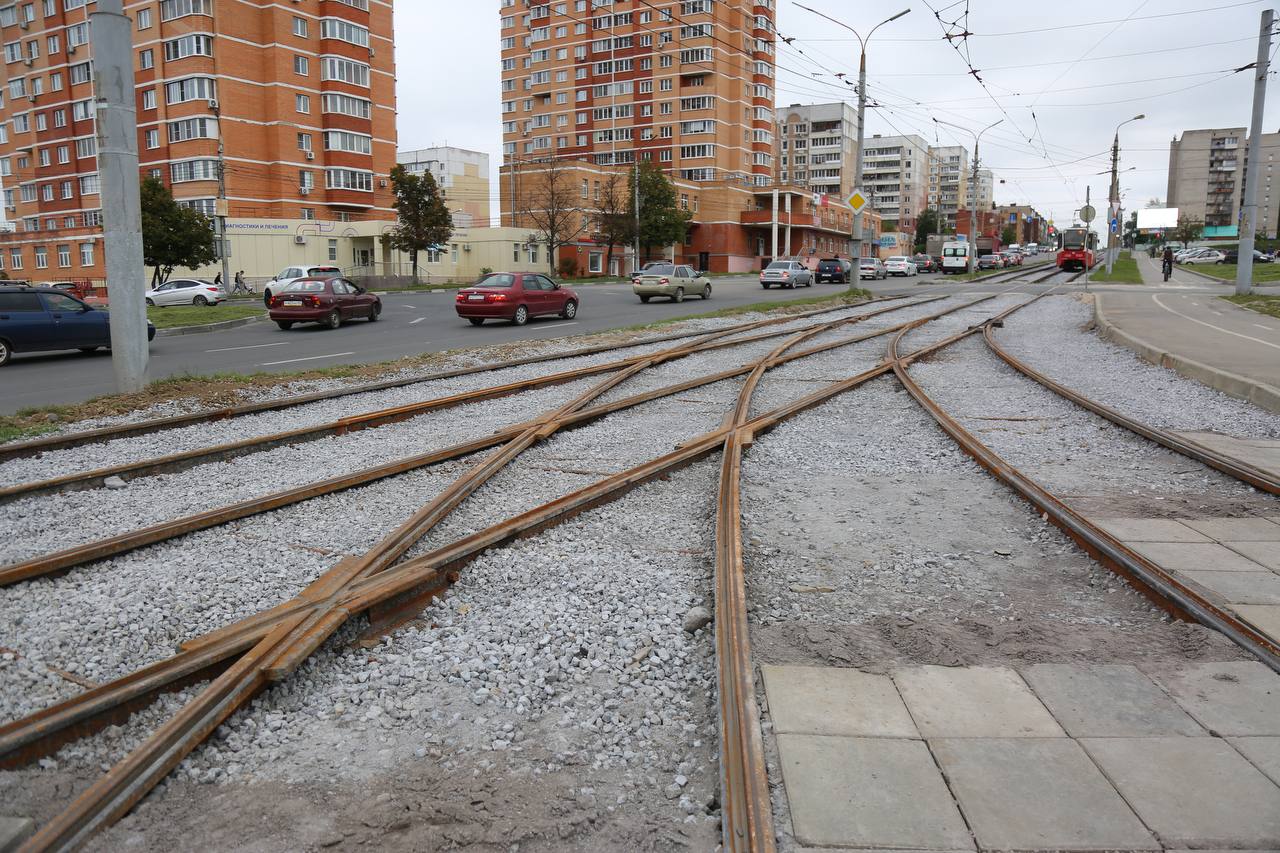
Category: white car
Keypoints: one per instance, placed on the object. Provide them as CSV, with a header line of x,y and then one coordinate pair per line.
x,y
900,265
186,291
289,275
1208,256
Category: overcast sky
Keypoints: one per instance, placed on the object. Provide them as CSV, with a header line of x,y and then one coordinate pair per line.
x,y
1076,80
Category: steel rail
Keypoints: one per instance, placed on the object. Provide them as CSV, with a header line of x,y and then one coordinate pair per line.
x,y
368,420
162,531
32,447
1149,577
1229,465
290,632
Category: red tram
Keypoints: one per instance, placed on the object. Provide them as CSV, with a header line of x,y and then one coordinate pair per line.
x,y
1076,248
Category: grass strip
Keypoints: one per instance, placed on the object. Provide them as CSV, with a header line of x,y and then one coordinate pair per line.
x,y
1269,305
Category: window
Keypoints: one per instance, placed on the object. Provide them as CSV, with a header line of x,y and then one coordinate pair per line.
x,y
337,68
8,16
152,137
192,45
146,59
64,256
81,73
15,259
55,81
46,192
170,9
42,257
193,170
45,157
306,181
92,218
13,52
77,35
144,19
89,184
302,103
192,128
86,254
336,28
308,213
68,190
206,206
82,110
301,66
333,250
341,140
300,27
88,147
190,89
149,99
304,142
348,179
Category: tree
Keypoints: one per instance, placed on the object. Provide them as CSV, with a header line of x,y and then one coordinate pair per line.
x,y
1188,230
172,235
1131,230
423,220
926,224
554,206
1008,235
662,220
1154,203
615,216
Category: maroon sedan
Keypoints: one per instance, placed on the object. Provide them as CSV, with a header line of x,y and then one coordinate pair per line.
x,y
323,300
515,296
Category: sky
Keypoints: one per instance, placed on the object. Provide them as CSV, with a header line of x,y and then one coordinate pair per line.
x,y
1059,83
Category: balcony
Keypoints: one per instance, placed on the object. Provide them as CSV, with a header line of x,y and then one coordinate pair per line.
x,y
765,217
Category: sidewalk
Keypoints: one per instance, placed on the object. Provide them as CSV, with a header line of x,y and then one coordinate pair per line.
x,y
1202,337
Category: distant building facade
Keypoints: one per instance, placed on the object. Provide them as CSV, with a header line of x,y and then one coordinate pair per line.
x,y
816,147
462,174
948,183
1206,179
895,172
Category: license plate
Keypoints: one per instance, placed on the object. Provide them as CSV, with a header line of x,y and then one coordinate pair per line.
x,y
292,303
475,297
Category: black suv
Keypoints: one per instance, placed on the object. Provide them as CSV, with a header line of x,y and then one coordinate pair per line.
x,y
834,270
39,319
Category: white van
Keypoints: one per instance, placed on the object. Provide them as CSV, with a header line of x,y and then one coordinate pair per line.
x,y
955,257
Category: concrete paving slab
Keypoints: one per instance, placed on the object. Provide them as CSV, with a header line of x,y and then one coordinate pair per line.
x,y
1150,530
1192,791
835,701
1262,752
1240,698
1264,617
1241,587
868,792
1035,793
1236,529
1195,557
1108,701
14,831
1262,553
973,702
1263,453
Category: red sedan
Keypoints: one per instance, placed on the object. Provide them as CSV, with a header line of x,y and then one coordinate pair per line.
x,y
514,296
328,301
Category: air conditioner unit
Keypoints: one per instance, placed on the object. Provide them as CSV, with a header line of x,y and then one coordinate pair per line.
x,y
213,103
71,50
32,97
382,182
25,24
371,51
311,155
304,190
30,61
299,240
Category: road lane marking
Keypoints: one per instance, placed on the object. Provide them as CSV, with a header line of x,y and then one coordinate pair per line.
x,y
251,346
1260,326
1211,311
558,325
403,305
309,358
1156,298
417,321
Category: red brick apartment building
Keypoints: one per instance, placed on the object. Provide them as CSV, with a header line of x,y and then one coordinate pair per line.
x,y
301,92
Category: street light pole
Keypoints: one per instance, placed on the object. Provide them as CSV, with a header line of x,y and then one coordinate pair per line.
x,y
220,212
1113,213
862,110
1249,209
973,205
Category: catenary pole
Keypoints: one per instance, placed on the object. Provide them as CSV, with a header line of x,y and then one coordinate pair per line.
x,y
1249,223
117,132
1113,210
972,237
224,245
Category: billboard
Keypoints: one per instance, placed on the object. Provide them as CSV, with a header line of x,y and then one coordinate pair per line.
x,y
1156,218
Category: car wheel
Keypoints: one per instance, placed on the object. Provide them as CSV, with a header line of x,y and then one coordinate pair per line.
x,y
374,311
200,300
644,299
678,296
266,298
87,349
5,352
706,293
150,304
475,321
521,317
285,324
808,282
570,310
765,285
333,319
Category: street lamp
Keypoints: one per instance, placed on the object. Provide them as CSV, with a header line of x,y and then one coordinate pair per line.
x,y
862,110
973,205
1113,214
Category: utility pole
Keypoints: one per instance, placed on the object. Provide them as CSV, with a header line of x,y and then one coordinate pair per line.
x,y
224,246
973,204
1113,209
1088,229
774,256
635,183
1244,267
117,132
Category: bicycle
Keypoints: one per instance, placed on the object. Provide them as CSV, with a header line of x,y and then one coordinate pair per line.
x,y
1168,269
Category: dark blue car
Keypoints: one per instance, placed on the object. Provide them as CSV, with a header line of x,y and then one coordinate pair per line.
x,y
38,319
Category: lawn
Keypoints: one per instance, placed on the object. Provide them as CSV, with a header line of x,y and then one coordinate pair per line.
x,y
1261,272
1269,305
1124,271
196,315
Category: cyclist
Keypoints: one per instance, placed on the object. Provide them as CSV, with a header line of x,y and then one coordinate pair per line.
x,y
1167,263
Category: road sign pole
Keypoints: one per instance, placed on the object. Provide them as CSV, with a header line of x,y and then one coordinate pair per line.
x,y
1087,214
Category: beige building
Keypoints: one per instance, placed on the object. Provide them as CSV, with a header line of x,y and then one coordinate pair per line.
x,y
895,172
986,190
816,147
1206,179
462,174
949,175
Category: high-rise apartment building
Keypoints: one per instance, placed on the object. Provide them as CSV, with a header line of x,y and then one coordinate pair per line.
x,y
302,95
687,84
463,176
985,190
948,182
816,147
1206,179
895,172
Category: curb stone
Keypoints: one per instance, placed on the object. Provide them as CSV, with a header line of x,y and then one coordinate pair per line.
x,y
1232,384
208,327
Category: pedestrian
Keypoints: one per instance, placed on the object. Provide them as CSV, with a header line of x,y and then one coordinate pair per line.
x,y
217,280
240,288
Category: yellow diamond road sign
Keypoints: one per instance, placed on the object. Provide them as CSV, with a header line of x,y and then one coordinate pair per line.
x,y
857,201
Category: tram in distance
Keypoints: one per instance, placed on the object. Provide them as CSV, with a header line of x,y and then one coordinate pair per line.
x,y
1076,248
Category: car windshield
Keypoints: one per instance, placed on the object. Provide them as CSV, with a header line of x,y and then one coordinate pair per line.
x,y
305,286
779,265
497,279
324,272
660,269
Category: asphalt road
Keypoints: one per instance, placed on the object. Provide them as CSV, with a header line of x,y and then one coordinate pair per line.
x,y
411,323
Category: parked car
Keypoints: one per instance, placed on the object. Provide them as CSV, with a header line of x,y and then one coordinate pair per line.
x,y
872,268
673,280
899,265
990,262
328,301
1012,258
1232,256
43,319
514,296
786,274
925,263
1208,256
1182,255
834,270
186,291
289,275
